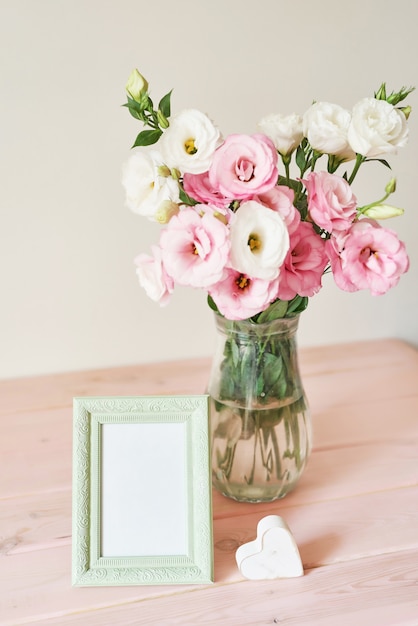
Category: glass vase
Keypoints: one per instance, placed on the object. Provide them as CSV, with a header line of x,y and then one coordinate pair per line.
x,y
260,420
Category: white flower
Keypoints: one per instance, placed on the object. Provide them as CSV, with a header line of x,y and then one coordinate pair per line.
x,y
148,193
325,125
284,130
189,142
377,128
259,241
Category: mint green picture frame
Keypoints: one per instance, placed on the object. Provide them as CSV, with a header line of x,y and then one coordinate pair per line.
x,y
142,506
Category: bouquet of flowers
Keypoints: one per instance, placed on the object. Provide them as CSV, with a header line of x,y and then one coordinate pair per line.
x,y
236,225
258,241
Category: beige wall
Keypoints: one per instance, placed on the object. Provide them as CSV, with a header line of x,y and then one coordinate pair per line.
x,y
70,298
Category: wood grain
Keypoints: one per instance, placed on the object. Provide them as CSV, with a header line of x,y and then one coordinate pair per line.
x,y
343,594
354,514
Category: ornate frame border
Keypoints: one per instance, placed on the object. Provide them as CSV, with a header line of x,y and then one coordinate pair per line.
x,y
88,566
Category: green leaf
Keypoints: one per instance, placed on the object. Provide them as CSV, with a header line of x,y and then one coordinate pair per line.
x,y
301,203
136,115
279,389
272,369
297,305
235,353
301,159
296,185
147,137
186,199
165,104
247,359
382,161
275,311
212,304
133,105
227,388
259,386
135,111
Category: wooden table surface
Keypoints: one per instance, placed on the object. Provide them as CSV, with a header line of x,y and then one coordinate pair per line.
x,y
354,514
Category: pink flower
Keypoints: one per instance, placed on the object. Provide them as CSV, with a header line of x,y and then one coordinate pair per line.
x,y
304,264
195,248
331,202
367,256
238,296
243,166
280,198
153,277
198,186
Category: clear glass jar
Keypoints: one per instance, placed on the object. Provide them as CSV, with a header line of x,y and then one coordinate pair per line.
x,y
260,420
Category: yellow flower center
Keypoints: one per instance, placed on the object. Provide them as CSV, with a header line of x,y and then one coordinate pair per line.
x,y
254,242
242,281
189,146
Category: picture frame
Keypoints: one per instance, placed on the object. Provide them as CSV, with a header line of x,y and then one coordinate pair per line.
x,y
142,506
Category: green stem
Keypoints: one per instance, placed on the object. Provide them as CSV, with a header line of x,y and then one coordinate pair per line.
x,y
363,209
250,479
359,160
276,449
294,427
333,163
286,162
287,170
315,157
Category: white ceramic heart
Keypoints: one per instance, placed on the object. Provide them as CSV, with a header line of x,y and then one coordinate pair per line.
x,y
273,554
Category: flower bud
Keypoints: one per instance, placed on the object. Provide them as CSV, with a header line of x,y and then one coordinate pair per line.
x,y
395,96
162,120
164,171
165,211
406,111
137,86
381,94
175,173
221,217
383,212
391,186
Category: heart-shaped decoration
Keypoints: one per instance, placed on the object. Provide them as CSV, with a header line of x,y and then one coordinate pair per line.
x,y
273,554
